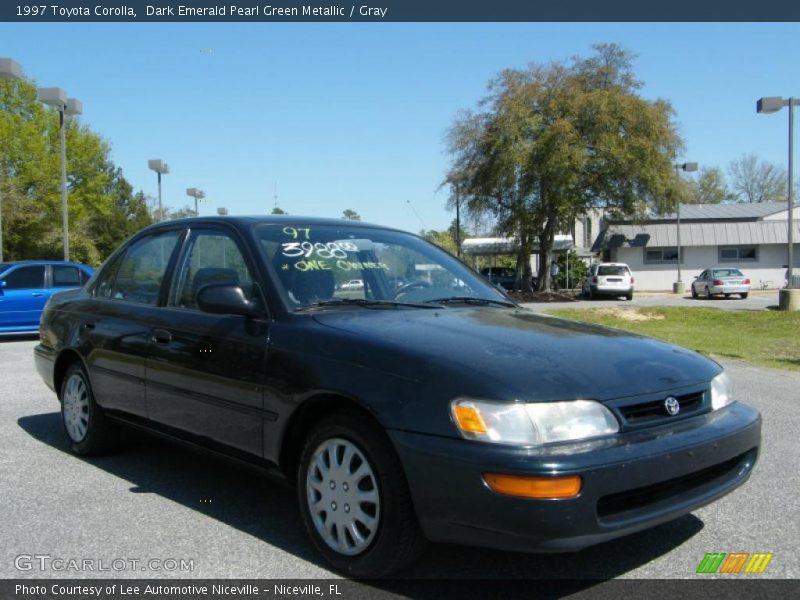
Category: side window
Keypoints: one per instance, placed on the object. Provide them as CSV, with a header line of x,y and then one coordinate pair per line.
x,y
84,277
138,275
66,276
25,278
211,257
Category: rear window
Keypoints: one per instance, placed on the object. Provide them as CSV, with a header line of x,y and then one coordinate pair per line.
x,y
612,270
727,273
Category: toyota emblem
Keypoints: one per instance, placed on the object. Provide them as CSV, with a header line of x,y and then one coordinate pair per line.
x,y
672,406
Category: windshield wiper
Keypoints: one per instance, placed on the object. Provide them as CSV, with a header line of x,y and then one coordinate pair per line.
x,y
472,300
366,303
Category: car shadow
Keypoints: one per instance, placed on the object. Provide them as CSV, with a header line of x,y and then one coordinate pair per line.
x,y
18,337
266,509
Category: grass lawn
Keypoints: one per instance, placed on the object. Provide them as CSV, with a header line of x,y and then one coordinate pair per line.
x,y
769,338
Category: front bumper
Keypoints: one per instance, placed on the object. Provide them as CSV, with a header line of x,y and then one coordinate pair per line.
x,y
631,481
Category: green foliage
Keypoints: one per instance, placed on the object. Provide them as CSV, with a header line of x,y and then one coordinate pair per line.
x,y
276,210
103,210
709,188
554,140
446,240
350,215
577,270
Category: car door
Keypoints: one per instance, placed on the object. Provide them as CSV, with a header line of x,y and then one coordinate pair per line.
x,y
205,372
117,317
22,297
699,282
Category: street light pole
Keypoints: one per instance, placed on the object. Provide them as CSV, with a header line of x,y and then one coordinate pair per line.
x,y
57,98
9,69
161,168
678,287
788,299
197,195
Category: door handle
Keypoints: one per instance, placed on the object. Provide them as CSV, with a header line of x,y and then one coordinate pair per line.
x,y
161,336
88,325
37,294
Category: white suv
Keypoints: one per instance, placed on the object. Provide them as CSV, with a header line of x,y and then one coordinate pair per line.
x,y
609,279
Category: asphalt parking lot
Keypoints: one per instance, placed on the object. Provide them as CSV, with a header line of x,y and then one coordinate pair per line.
x,y
157,501
757,300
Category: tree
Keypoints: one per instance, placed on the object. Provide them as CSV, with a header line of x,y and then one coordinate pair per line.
x,y
757,181
552,141
278,211
351,215
446,240
102,208
709,188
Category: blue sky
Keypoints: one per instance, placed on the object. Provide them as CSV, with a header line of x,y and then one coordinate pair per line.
x,y
354,115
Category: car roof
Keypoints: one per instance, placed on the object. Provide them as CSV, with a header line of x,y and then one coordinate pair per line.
x,y
68,263
604,264
242,221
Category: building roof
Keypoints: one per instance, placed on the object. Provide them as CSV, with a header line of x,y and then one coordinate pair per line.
x,y
491,246
707,212
720,233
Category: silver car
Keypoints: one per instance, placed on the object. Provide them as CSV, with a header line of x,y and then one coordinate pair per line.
x,y
724,281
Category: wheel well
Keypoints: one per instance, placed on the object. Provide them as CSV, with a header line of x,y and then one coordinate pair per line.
x,y
64,360
302,422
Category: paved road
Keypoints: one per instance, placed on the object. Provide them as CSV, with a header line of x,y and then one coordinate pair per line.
x,y
755,301
157,501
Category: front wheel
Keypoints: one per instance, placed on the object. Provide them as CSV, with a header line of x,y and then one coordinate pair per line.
x,y
354,499
694,292
88,430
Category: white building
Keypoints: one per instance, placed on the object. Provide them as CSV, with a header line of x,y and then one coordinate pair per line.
x,y
751,237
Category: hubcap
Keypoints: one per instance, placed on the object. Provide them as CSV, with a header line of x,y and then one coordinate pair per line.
x,y
343,498
76,408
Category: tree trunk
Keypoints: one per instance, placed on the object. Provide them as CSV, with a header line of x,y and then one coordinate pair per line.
x,y
545,256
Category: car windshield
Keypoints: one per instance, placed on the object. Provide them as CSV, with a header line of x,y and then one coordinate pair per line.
x,y
332,265
727,273
612,270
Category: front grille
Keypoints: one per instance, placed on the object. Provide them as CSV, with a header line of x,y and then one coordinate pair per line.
x,y
654,411
630,500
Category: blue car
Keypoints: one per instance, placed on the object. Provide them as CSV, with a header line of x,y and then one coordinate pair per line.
x,y
26,286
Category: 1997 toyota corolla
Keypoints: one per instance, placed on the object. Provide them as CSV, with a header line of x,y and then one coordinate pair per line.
x,y
437,410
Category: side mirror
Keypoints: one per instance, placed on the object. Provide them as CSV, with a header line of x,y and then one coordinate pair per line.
x,y
2,284
227,300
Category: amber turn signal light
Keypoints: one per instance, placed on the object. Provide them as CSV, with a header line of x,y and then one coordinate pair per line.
x,y
543,488
468,419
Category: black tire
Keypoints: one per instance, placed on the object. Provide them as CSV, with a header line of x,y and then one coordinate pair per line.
x,y
694,293
398,540
99,433
727,296
709,296
744,296
629,296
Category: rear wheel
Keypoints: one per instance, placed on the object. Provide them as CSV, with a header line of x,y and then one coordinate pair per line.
x,y
629,296
727,296
354,499
88,430
744,295
709,296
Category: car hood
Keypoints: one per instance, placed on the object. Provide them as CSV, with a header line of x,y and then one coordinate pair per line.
x,y
514,353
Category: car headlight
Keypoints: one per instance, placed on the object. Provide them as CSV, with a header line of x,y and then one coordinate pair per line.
x,y
721,391
532,423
